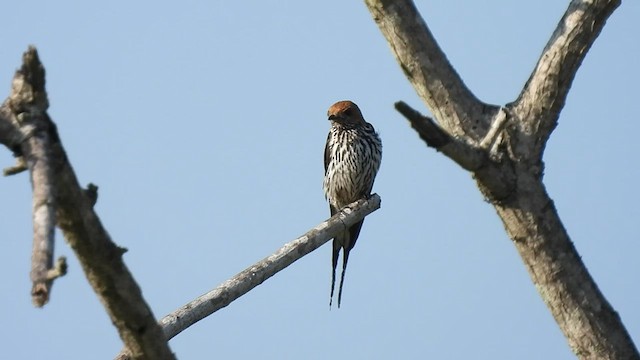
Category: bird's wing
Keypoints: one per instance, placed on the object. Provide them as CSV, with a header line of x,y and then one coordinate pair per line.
x,y
327,154
354,232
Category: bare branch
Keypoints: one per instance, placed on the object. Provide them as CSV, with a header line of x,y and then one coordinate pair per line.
x,y
101,259
91,192
44,219
494,131
496,177
19,167
544,94
256,274
28,102
59,269
455,107
467,156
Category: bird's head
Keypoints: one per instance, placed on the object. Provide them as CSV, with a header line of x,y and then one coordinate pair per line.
x,y
345,113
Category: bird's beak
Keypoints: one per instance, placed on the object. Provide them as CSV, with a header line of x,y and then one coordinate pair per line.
x,y
333,117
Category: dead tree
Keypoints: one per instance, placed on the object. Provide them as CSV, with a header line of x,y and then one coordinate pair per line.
x,y
502,147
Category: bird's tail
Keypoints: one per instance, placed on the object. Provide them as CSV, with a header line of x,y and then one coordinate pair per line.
x,y
345,259
345,241
334,261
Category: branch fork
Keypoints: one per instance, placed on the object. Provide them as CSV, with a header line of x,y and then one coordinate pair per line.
x,y
506,161
470,157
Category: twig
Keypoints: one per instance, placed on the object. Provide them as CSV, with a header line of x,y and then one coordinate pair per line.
x,y
496,127
59,269
91,192
19,167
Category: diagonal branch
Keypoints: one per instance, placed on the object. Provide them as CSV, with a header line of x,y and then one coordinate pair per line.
x,y
256,274
495,176
468,157
455,107
101,259
545,93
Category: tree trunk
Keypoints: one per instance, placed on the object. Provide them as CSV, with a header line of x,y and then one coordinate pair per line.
x,y
503,146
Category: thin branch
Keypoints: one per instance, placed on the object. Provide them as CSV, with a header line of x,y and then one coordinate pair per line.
x,y
28,101
467,156
44,217
100,258
59,269
455,107
256,274
19,167
544,94
494,131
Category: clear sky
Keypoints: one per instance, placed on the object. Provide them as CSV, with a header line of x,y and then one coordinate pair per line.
x,y
203,123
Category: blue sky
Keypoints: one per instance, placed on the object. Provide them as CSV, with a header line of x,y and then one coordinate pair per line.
x,y
203,123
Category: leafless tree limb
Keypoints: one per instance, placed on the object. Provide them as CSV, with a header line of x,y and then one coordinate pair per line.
x,y
472,157
510,176
494,131
28,103
19,167
543,96
256,274
427,68
101,259
467,156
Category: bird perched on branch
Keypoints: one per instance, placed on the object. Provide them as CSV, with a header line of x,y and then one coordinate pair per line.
x,y
352,158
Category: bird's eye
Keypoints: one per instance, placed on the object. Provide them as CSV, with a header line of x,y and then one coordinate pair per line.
x,y
348,112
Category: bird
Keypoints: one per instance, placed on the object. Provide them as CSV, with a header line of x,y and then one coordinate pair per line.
x,y
352,157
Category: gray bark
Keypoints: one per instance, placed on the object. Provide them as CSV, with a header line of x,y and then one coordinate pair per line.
x,y
56,186
27,107
503,150
256,274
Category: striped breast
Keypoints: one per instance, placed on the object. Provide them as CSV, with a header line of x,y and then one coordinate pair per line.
x,y
352,160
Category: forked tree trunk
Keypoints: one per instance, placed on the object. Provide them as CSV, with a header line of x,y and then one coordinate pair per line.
x,y
503,146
